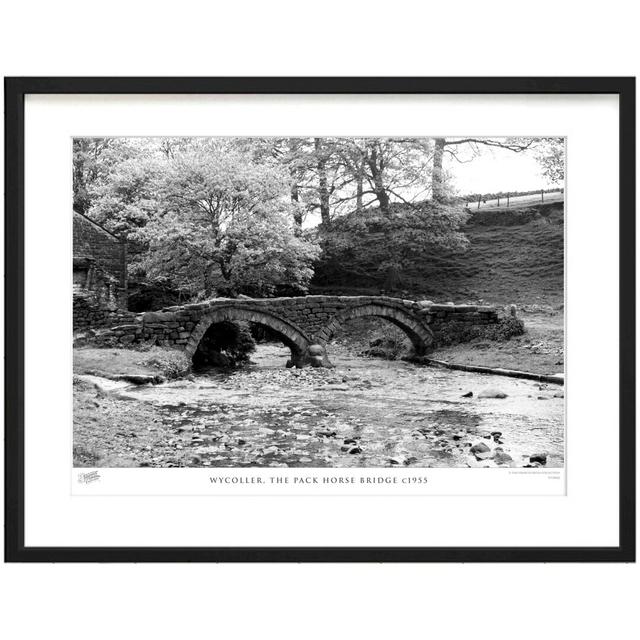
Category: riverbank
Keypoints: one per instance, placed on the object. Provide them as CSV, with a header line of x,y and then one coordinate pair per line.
x,y
111,429
150,364
539,350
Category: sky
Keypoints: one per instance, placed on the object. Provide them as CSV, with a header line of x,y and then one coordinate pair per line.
x,y
496,170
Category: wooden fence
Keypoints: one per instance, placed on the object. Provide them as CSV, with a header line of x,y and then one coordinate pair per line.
x,y
508,198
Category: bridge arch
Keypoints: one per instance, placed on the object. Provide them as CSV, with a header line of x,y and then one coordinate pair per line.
x,y
420,335
291,336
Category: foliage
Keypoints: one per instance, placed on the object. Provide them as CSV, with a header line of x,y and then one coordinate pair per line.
x,y
239,215
454,332
223,219
205,215
389,343
394,241
550,155
172,364
94,162
504,329
127,201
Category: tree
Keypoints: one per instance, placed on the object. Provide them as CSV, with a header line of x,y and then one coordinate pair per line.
x,y
377,163
367,171
298,156
323,188
437,174
224,220
96,159
126,200
331,175
550,155
389,169
89,166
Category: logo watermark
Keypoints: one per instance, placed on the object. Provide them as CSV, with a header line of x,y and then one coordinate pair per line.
x,y
88,477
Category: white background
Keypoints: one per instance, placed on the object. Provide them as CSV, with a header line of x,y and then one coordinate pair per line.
x,y
489,38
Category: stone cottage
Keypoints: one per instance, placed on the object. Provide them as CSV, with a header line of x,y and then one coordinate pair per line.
x,y
99,273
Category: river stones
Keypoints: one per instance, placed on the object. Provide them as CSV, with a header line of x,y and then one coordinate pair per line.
x,y
492,393
332,387
481,451
540,458
138,379
501,457
315,361
352,449
326,433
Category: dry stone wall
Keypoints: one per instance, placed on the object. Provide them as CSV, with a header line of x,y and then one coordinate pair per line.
x,y
91,313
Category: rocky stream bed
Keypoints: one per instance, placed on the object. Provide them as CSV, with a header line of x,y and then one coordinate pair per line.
x,y
363,413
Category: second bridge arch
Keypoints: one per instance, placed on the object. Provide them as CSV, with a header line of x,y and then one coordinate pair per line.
x,y
419,334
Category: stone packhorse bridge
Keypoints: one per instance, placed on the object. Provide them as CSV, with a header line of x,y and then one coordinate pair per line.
x,y
304,324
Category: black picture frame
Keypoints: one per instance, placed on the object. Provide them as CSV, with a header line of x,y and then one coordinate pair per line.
x,y
15,91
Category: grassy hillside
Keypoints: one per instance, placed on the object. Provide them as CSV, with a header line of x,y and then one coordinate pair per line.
x,y
514,256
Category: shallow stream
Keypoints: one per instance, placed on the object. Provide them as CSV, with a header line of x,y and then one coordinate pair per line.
x,y
364,413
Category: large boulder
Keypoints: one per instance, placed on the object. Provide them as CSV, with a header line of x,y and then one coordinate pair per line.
x,y
481,451
316,361
316,350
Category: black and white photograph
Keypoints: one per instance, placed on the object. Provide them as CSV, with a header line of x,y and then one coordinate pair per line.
x,y
320,320
318,302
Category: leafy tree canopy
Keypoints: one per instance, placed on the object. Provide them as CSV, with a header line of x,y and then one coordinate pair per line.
x,y
391,242
550,156
209,214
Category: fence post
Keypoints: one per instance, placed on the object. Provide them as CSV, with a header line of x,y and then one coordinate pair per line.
x,y
542,194
507,200
479,199
498,200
